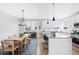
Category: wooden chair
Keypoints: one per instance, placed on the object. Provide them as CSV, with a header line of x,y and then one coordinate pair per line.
x,y
1,49
8,46
18,45
28,40
25,43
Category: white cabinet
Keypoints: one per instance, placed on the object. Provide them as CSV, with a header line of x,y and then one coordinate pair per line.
x,y
76,20
62,46
51,46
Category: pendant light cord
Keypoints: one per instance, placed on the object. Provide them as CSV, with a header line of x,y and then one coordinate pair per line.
x,y
23,15
53,9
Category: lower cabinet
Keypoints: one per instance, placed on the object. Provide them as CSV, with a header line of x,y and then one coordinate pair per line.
x,y
60,46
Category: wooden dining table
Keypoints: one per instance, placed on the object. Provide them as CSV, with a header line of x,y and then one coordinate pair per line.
x,y
22,41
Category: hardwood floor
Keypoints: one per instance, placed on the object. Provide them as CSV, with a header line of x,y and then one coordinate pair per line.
x,y
32,48
75,51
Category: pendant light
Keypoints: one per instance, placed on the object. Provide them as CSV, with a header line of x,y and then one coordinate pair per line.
x,y
22,19
22,16
53,11
47,15
21,33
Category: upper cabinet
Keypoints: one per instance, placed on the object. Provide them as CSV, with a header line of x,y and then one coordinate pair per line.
x,y
76,20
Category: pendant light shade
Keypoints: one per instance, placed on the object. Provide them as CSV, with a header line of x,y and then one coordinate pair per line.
x,y
53,19
53,12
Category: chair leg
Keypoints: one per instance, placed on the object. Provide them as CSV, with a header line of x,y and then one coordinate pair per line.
x,y
3,53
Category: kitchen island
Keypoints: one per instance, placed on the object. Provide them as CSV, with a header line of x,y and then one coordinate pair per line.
x,y
61,44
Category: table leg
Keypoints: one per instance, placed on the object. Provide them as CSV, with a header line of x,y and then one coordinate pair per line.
x,y
21,47
13,53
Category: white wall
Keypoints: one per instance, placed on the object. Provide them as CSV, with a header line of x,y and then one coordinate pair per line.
x,y
8,25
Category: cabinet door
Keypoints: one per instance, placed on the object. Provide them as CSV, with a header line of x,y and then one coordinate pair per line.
x,y
51,46
61,46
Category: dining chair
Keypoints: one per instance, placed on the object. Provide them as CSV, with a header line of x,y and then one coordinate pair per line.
x,y
8,46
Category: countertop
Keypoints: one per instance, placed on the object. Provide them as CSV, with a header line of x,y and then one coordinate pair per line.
x,y
60,35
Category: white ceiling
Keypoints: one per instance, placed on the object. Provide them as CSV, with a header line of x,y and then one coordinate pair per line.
x,y
39,10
